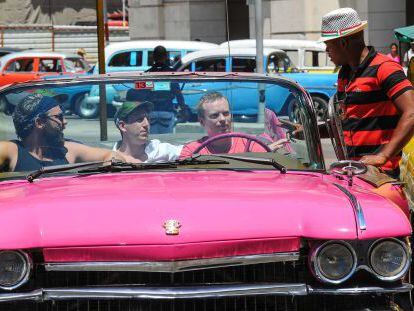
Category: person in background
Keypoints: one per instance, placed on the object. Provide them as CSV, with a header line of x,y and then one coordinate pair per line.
x,y
82,53
163,116
393,54
409,54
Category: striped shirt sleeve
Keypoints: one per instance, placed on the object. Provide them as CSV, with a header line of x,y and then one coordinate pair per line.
x,y
393,80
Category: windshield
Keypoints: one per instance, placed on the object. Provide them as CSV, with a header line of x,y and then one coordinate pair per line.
x,y
153,119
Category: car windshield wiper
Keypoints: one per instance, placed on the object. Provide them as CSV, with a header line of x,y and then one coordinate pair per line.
x,y
60,168
118,166
263,161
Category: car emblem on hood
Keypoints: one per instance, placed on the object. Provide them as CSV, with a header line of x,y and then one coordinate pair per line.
x,y
172,227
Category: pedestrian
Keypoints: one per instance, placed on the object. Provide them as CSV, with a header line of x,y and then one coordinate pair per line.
x,y
82,53
409,54
376,96
163,116
393,54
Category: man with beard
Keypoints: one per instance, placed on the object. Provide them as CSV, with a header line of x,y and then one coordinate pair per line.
x,y
213,111
39,123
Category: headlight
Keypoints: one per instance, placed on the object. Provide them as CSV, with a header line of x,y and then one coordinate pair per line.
x,y
389,259
333,262
14,269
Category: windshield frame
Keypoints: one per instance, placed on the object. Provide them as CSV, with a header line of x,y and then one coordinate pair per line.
x,y
311,132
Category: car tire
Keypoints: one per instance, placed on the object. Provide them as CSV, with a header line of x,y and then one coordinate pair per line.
x,y
321,107
85,110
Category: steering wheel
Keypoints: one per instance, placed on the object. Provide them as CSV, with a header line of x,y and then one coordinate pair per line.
x,y
348,167
249,138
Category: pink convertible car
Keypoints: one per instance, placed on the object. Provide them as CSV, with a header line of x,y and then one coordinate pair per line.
x,y
262,224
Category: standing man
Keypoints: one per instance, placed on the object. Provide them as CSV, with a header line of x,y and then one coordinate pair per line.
x,y
163,115
377,99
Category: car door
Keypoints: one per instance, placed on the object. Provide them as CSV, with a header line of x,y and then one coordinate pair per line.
x,y
19,70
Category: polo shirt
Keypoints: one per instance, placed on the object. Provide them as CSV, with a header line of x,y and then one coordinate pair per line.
x,y
367,95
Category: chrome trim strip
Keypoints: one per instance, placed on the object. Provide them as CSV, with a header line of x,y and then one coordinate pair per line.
x,y
173,266
403,288
159,292
356,206
197,292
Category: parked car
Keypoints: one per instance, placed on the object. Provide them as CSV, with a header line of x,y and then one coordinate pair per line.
x,y
138,55
8,50
306,54
31,65
321,87
272,229
134,56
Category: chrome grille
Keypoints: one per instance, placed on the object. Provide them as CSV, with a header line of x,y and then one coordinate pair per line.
x,y
282,272
266,303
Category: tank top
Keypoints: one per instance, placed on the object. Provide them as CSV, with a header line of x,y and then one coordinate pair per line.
x,y
26,162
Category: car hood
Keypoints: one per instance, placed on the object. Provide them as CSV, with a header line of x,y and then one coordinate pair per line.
x,y
131,208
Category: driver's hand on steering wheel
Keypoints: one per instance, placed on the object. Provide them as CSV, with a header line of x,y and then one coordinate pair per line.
x,y
278,144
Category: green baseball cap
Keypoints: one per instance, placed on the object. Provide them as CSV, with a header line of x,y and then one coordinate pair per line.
x,y
128,107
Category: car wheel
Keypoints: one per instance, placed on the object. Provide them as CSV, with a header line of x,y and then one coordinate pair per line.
x,y
84,109
321,107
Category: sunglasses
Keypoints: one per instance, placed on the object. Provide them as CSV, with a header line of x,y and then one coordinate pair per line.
x,y
59,116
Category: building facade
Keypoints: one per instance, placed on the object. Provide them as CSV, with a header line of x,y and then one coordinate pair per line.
x,y
206,20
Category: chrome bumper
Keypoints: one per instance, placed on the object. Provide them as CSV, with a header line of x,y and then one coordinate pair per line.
x,y
169,293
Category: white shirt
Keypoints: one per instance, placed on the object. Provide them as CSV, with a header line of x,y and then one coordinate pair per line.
x,y
408,55
157,151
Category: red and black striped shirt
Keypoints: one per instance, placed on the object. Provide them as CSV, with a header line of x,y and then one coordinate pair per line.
x,y
370,114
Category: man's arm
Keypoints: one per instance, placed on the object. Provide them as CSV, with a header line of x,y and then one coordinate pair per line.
x,y
83,153
6,155
402,134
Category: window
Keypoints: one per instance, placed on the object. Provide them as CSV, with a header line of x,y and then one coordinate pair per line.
x,y
243,64
50,65
173,56
317,58
126,59
216,64
20,65
189,67
279,63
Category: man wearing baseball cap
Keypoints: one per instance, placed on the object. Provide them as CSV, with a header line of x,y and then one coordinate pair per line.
x,y
132,120
377,99
39,123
